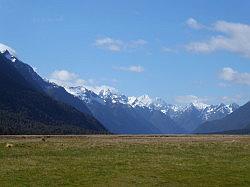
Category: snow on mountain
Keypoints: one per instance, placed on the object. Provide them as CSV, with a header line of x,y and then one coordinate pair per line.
x,y
84,94
131,100
107,95
187,117
8,55
4,48
196,112
142,101
199,105
203,111
213,111
8,52
102,96
152,103
112,96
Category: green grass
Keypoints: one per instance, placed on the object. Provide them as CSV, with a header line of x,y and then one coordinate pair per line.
x,y
125,161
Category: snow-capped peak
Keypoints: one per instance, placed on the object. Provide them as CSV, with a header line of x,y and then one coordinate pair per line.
x,y
199,105
112,96
7,55
84,94
144,100
106,92
8,52
212,111
131,100
108,96
233,106
159,103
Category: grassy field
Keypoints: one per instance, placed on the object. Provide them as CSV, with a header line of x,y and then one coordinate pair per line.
x,y
125,161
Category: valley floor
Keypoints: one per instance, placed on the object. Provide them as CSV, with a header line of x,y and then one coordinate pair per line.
x,y
213,160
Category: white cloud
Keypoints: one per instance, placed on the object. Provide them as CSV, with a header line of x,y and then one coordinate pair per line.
x,y
169,50
192,23
63,75
66,78
116,45
109,44
4,47
186,99
135,69
232,37
203,101
231,75
239,99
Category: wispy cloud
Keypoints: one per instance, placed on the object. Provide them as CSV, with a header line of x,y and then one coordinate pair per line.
x,y
134,69
169,50
186,99
232,37
69,79
117,45
54,19
66,78
223,85
204,100
239,98
109,44
194,24
231,75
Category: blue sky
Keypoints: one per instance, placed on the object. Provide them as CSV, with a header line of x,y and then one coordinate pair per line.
x,y
178,50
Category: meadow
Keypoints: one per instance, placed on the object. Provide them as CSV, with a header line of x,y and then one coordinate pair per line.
x,y
111,160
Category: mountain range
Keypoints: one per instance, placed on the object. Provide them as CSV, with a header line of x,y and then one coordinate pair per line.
x,y
80,110
146,112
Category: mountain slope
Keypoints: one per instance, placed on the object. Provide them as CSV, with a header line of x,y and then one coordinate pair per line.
x,y
120,119
24,110
238,120
111,109
160,120
53,90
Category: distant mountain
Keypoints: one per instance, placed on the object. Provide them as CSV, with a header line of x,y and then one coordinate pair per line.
x,y
238,121
113,112
155,110
26,109
122,114
188,117
192,116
